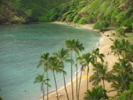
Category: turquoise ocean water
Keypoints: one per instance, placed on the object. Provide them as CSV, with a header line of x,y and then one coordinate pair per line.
x,y
20,49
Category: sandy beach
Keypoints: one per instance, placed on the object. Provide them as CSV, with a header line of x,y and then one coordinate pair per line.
x,y
104,47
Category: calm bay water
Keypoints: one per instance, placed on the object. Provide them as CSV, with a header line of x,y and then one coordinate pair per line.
x,y
20,50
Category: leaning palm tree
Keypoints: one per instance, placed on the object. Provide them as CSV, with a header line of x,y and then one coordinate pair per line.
x,y
62,55
44,60
70,44
82,68
40,79
87,60
79,48
116,48
55,66
97,93
96,54
100,74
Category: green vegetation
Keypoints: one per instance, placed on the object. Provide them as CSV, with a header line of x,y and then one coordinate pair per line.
x,y
127,95
104,13
100,25
121,32
115,13
97,93
40,79
130,37
120,76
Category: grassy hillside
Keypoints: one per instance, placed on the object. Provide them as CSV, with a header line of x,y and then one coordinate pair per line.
x,y
18,11
113,12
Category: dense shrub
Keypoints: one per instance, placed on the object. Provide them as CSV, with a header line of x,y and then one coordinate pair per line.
x,y
97,93
83,20
76,19
100,25
120,32
127,22
127,95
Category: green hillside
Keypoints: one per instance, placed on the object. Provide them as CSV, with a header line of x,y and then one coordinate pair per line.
x,y
21,11
114,12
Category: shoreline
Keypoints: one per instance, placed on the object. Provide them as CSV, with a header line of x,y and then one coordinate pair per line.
x,y
104,46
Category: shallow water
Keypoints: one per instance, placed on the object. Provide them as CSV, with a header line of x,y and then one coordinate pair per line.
x,y
20,50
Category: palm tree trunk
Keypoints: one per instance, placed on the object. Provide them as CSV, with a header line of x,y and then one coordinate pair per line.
x,y
79,83
76,79
72,78
87,76
43,94
47,87
55,85
103,84
65,86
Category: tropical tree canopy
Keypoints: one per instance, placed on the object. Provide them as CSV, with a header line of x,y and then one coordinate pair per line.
x,y
97,93
100,74
121,75
40,79
122,47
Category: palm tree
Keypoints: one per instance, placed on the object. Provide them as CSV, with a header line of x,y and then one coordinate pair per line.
x,y
70,44
62,55
74,45
55,66
125,47
40,79
122,74
121,32
116,48
44,61
97,93
100,74
87,59
82,68
129,55
95,54
80,48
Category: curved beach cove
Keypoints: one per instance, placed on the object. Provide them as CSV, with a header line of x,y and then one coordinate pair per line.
x,y
20,49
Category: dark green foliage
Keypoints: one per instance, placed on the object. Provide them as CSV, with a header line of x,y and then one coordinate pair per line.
x,y
18,10
121,32
127,22
121,76
101,25
97,93
124,48
131,86
127,95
